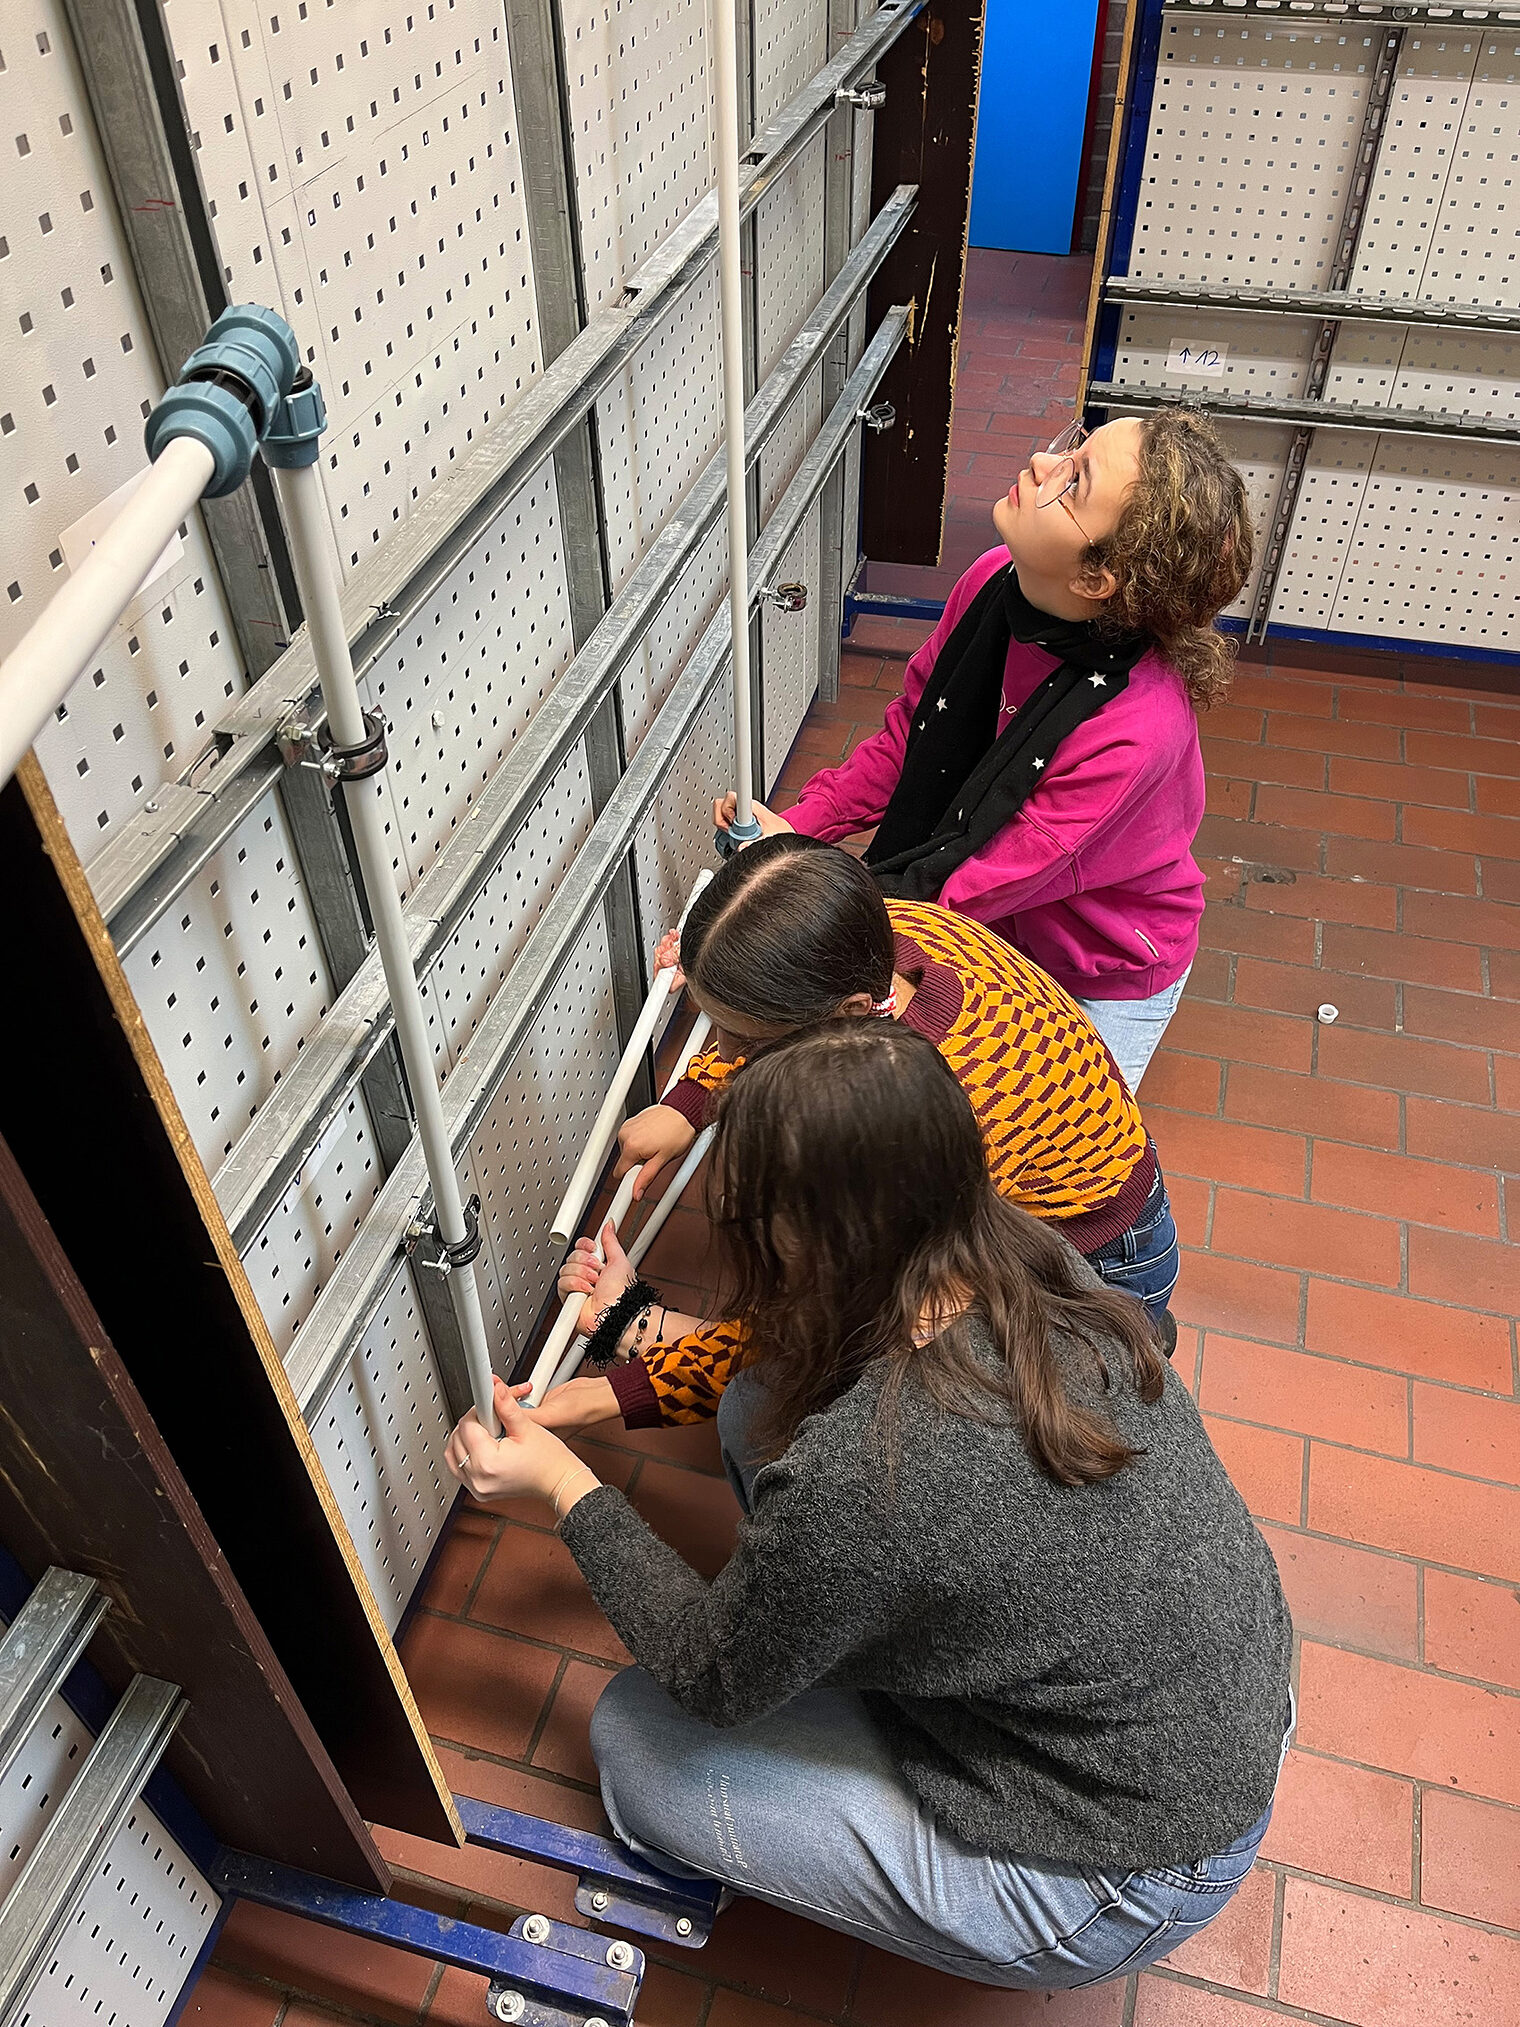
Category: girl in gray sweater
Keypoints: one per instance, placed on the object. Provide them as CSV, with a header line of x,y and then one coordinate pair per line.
x,y
997,1676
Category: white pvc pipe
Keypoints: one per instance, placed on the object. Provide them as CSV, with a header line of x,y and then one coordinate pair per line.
x,y
301,498
700,1029
731,304
56,649
594,1155
546,1364
672,1196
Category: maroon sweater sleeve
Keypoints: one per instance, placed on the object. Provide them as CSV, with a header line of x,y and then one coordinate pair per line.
x,y
638,1403
690,1100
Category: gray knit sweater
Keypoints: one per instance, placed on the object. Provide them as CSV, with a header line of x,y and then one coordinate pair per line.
x,y
1095,1675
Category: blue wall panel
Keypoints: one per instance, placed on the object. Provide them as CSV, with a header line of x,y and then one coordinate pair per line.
x,y
1036,71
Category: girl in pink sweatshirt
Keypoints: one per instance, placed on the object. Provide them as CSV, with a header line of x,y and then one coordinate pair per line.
x,y
1041,771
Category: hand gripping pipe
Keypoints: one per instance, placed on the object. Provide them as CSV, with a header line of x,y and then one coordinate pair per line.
x,y
554,1363
598,1145
357,757
200,439
744,829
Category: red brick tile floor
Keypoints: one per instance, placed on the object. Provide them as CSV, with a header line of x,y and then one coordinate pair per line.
x,y
1348,1303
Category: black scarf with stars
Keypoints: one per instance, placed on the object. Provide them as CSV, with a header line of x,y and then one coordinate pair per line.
x,y
963,779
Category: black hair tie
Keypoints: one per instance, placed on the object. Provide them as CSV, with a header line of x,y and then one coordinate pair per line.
x,y
601,1348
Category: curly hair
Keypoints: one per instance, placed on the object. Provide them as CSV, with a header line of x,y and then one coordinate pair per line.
x,y
1181,550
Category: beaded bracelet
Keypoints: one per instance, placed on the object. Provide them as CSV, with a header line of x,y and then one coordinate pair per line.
x,y
602,1348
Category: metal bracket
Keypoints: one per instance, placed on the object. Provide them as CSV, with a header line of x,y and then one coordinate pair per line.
x,y
462,1253
879,416
869,97
504,2001
785,597
301,747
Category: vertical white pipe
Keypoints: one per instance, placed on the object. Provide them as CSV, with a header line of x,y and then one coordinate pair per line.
x,y
300,498
547,1363
672,1196
51,655
731,302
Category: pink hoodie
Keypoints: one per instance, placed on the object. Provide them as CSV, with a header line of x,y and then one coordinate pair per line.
x,y
1094,878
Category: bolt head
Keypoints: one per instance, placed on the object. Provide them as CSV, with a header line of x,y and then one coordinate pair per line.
x,y
598,1901
536,1928
620,1956
683,1926
510,2005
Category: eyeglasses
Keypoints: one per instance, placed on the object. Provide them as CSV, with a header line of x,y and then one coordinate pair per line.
x,y
1060,479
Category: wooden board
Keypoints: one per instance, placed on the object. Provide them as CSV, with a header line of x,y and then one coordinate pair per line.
x,y
93,1124
86,1482
1118,137
925,134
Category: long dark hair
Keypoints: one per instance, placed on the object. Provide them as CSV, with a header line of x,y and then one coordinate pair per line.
x,y
787,931
851,1196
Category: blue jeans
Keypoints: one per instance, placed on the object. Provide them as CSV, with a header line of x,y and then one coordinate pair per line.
x,y
808,1809
1144,1261
1132,1028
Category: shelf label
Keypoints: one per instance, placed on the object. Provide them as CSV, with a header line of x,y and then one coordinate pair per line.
x,y
1195,356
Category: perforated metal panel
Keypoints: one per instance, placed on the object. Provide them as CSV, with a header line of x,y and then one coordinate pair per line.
x,y
789,640
307,1235
362,167
675,841
380,1434
143,1918
80,377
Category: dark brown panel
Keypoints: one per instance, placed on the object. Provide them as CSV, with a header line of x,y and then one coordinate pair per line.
x,y
925,134
86,1482
93,1124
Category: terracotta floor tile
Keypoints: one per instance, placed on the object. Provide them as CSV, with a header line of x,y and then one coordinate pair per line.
x,y
1460,1017
1430,958
1185,1083
1504,974
1287,938
1286,764
1455,830
1402,1063
1401,866
474,1686
1451,1267
1470,1858
1473,1433
1463,1133
1266,1466
1412,1510
1282,1232
1237,719
1483,922
1496,796
1261,844
220,2000
1407,708
1312,1105
534,1588
1299,989
491,1877
471,1535
1367,1962
696,1515
1425,1192
1326,900
1490,721
1363,738
1315,809
1191,1201
1165,2001
1473,1628
1220,1150
563,1745
1337,1592
1210,976
1238,1297
1315,1396
1407,1722
895,1993
1426,1339
1241,1034
388,1984
781,1957
1345,1822
1464,754
1279,689
1397,781
1236,1947
694,1444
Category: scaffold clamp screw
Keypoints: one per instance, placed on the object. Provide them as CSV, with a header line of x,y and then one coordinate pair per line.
x,y
869,97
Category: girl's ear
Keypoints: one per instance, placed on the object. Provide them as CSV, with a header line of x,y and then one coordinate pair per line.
x,y
859,1003
1095,582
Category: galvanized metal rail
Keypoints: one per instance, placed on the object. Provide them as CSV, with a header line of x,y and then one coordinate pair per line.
x,y
1310,414
163,847
41,1644
1352,13
1345,306
290,1124
359,1282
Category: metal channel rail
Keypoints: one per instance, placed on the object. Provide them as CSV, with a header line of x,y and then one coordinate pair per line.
x,y
255,1176
170,839
1309,414
1341,305
361,1278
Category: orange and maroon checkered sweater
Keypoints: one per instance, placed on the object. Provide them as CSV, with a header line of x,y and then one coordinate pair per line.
x,y
1064,1137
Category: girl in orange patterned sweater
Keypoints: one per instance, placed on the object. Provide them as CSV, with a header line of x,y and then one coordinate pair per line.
x,y
791,932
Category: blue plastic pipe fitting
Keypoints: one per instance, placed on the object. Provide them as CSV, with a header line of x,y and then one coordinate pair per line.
x,y
736,837
229,391
293,437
